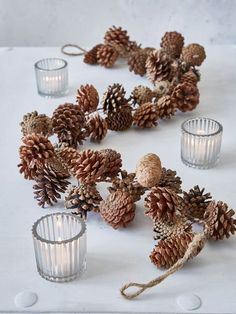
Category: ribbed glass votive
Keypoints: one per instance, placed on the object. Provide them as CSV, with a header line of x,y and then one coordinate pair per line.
x,y
60,246
201,142
52,77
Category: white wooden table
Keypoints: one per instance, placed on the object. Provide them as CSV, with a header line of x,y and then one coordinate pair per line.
x,y
115,257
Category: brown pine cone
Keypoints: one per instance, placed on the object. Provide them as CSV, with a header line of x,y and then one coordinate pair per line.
x,y
91,56
89,166
113,98
113,162
36,149
57,167
132,47
164,230
68,122
161,204
67,156
162,88
146,116
127,183
137,62
189,77
167,252
97,128
82,199
28,173
48,186
172,43
193,54
120,120
117,38
170,180
185,96
118,210
141,95
107,56
158,66
166,107
36,123
87,98
194,203
219,220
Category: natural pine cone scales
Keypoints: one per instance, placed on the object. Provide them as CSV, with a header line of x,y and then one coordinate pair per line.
x,y
158,66
193,54
137,62
141,95
91,56
113,162
118,39
120,120
87,98
185,96
36,123
166,107
113,98
170,180
106,56
146,116
97,128
172,43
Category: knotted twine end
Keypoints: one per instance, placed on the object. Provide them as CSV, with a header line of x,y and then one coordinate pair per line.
x,y
63,50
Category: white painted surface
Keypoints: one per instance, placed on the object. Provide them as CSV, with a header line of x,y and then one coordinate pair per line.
x,y
115,257
56,22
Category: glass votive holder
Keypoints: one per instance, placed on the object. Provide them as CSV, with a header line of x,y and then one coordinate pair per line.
x,y
201,142
52,77
60,246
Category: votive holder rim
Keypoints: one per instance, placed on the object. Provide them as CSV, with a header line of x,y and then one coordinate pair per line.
x,y
36,65
220,129
76,237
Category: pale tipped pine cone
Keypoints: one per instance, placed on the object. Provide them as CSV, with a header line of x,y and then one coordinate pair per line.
x,y
68,156
137,62
141,95
36,123
113,162
158,66
87,98
146,116
97,128
118,38
189,77
118,210
120,120
193,54
91,56
166,107
113,98
172,43
161,204
170,180
186,96
106,56
57,167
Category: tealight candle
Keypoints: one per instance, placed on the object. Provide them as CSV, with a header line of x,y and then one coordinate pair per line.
x,y
52,77
60,246
201,142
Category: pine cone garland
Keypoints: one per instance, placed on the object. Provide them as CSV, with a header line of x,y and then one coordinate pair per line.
x,y
146,116
36,123
141,95
120,120
194,203
193,54
170,180
161,204
189,77
172,43
118,210
26,170
219,220
137,62
158,66
68,122
113,98
113,162
87,98
57,167
117,38
97,128
185,96
68,156
106,56
91,56
166,107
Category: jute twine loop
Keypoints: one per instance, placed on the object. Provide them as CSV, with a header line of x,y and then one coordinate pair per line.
x,y
63,50
198,242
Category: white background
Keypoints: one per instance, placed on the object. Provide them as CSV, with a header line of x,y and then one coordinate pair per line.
x,y
55,22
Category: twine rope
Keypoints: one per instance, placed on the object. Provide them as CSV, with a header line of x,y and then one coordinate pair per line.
x,y
199,240
82,50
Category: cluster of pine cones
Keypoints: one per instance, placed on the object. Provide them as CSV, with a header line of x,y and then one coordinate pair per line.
x,y
172,68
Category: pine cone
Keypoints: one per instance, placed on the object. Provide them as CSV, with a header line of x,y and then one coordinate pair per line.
x,y
193,54
68,121
164,230
36,149
120,120
113,98
106,56
82,199
158,66
48,186
169,251
87,98
68,156
29,173
189,77
137,62
127,183
89,166
57,167
219,220
97,128
172,43
91,56
141,95
36,123
118,39
185,96
118,209
162,88
113,162
161,204
132,47
146,116
170,180
194,203
166,107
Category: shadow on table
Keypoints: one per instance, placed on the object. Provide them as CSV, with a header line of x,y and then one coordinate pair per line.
x,y
227,160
